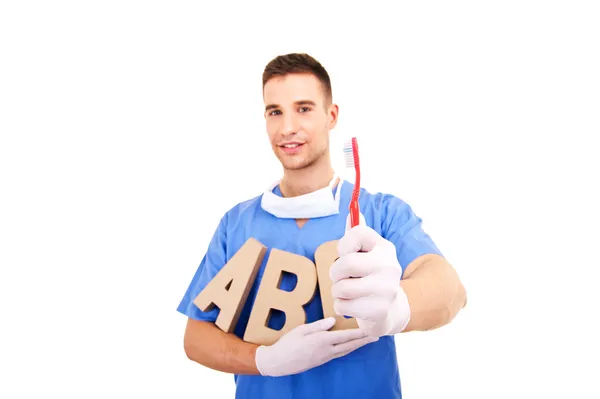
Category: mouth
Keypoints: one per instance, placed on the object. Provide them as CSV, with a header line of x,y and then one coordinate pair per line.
x,y
291,148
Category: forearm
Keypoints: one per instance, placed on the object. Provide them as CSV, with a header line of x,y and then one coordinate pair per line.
x,y
435,295
206,344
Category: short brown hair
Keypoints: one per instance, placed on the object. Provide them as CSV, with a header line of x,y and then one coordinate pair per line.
x,y
297,63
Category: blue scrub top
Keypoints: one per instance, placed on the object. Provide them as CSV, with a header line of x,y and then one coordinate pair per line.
x,y
370,371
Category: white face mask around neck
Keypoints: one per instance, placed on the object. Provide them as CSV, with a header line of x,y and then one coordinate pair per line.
x,y
319,203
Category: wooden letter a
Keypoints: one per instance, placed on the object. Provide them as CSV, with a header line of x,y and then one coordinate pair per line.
x,y
229,289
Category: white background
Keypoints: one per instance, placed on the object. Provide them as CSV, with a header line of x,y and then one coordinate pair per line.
x,y
128,128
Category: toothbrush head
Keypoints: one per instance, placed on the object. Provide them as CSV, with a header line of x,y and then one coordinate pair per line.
x,y
351,153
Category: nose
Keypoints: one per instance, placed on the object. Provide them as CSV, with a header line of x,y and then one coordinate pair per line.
x,y
289,125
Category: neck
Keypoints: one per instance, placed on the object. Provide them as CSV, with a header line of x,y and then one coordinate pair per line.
x,y
306,180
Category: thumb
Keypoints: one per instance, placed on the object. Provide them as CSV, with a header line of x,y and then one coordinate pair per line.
x,y
319,325
361,238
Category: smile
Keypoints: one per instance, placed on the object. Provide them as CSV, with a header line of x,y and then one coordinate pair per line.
x,y
291,148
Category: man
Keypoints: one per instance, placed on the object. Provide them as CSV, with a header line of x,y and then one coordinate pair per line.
x,y
390,276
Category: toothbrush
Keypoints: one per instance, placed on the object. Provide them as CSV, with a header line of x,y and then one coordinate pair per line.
x,y
352,161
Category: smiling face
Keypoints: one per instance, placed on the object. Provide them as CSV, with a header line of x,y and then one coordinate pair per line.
x,y
298,117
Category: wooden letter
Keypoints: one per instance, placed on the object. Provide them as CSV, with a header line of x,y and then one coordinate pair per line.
x,y
269,296
229,289
325,256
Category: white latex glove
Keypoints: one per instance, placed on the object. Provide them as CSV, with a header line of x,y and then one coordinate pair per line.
x,y
361,221
307,346
366,282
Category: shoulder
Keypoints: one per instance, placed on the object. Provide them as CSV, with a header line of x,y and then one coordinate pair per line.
x,y
398,223
241,211
386,210
383,202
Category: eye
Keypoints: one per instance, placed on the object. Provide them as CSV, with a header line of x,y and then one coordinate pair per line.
x,y
304,109
275,112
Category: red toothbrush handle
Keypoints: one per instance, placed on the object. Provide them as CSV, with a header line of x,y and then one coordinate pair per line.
x,y
354,213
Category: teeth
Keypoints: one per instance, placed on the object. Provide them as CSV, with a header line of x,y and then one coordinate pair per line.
x,y
291,145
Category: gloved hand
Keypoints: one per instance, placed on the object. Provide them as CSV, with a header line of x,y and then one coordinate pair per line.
x,y
366,282
307,346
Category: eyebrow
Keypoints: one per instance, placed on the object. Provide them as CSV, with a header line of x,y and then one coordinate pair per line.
x,y
300,102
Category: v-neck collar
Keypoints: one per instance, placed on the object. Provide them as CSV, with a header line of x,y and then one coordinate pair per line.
x,y
311,221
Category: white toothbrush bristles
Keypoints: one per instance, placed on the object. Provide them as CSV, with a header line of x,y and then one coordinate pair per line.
x,y
348,154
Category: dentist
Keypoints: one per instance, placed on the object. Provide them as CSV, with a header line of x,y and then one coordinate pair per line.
x,y
390,275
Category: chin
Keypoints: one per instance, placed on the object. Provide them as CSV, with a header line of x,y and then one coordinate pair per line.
x,y
295,164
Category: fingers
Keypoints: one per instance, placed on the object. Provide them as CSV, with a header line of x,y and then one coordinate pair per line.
x,y
352,265
357,308
341,336
348,347
352,288
359,238
319,325
369,308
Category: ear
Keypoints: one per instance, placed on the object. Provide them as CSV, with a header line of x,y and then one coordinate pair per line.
x,y
333,116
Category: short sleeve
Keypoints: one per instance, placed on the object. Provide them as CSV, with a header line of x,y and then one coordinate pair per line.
x,y
404,229
212,262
